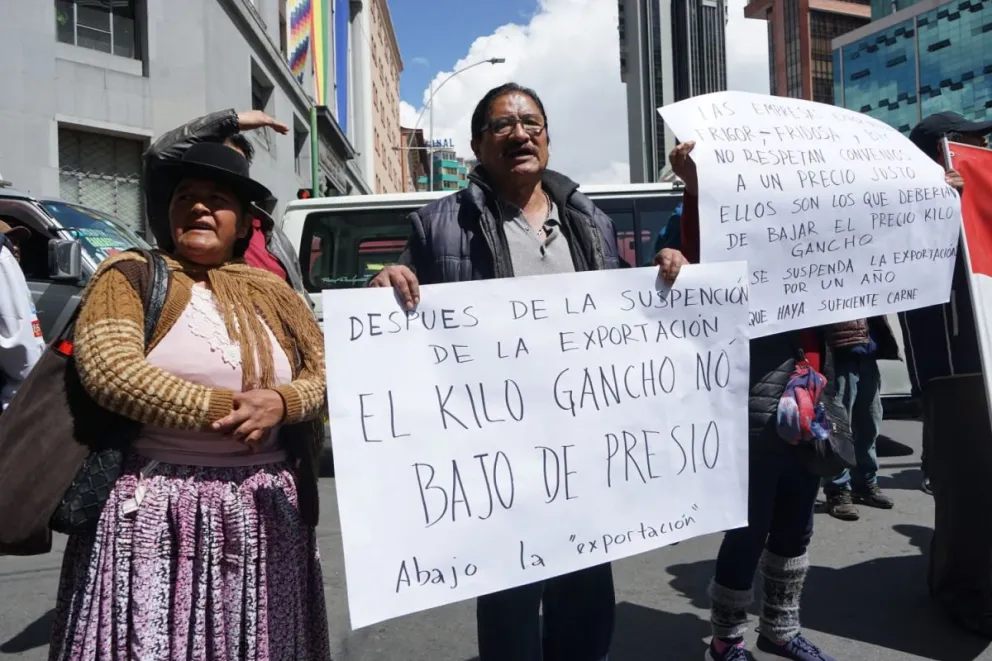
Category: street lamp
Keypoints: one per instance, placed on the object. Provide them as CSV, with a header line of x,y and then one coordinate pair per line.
x,y
430,104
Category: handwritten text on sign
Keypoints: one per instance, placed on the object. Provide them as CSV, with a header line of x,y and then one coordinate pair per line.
x,y
514,430
838,215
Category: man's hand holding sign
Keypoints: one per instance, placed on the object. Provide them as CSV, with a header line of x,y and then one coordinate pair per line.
x,y
537,426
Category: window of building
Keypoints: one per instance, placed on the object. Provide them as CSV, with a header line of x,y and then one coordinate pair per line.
x,y
283,31
108,26
300,135
793,50
261,99
772,74
102,172
824,27
261,89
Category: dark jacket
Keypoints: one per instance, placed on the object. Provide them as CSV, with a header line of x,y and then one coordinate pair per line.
x,y
942,340
215,127
850,334
460,237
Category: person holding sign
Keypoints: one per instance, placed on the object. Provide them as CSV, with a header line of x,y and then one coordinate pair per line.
x,y
941,340
781,490
516,218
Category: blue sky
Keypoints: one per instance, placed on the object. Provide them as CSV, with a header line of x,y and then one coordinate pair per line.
x,y
567,50
434,34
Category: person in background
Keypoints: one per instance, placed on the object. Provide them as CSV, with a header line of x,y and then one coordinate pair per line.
x,y
942,340
857,347
670,236
781,491
21,342
269,248
516,217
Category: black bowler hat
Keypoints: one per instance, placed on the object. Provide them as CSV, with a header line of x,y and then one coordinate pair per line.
x,y
210,161
219,163
927,134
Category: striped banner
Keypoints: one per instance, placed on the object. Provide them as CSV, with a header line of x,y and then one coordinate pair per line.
x,y
319,37
300,30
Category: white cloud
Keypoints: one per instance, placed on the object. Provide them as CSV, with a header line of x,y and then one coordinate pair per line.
x,y
747,51
569,54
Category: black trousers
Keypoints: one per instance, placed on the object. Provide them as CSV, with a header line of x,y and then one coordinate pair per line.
x,y
578,619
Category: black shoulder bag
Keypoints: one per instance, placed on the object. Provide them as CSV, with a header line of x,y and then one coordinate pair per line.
x,y
81,506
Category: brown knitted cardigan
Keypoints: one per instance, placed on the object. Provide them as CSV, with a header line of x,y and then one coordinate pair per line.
x,y
110,359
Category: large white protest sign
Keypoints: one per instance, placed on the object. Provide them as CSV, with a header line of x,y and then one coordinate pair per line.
x,y
518,429
838,215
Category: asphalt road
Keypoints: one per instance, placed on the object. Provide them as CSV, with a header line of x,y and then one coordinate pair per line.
x,y
865,598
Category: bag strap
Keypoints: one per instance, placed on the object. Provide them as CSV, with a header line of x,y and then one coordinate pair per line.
x,y
155,292
797,347
153,300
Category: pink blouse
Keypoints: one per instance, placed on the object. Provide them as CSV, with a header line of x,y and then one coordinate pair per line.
x,y
197,348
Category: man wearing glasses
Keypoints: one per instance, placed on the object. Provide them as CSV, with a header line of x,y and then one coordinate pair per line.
x,y
517,218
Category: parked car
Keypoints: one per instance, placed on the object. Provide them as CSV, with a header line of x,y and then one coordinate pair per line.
x,y
67,243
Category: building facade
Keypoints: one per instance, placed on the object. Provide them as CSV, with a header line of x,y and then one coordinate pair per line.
x,y
450,170
800,32
669,50
416,162
386,68
882,8
93,83
933,56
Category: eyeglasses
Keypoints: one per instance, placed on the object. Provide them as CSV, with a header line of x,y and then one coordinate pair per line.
x,y
503,126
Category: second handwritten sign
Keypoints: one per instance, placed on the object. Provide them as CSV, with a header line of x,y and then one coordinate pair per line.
x,y
514,430
838,215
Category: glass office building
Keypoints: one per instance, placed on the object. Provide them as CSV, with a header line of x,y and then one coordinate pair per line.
x,y
932,56
881,8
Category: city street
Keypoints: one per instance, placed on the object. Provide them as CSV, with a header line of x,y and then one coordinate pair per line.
x,y
865,599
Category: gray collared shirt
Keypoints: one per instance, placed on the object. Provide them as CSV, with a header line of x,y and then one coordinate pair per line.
x,y
531,254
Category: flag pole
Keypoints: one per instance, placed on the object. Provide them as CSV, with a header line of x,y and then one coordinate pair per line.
x,y
314,138
314,153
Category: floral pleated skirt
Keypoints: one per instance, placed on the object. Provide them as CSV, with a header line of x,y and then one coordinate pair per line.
x,y
215,564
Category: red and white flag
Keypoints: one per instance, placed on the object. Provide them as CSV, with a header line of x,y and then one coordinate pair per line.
x,y
974,164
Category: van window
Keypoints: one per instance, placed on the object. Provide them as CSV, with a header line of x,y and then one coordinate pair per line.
x,y
652,215
376,254
344,249
98,234
638,221
622,213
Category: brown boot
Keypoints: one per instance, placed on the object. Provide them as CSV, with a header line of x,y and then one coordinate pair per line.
x,y
840,505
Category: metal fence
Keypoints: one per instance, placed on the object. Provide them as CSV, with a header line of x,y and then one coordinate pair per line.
x,y
102,172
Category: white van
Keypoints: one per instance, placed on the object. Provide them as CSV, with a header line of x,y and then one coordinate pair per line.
x,y
344,241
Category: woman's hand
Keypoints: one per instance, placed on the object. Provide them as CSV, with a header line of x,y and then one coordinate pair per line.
x,y
403,281
255,413
255,119
670,262
685,167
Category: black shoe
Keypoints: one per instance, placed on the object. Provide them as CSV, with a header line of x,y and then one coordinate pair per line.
x,y
840,505
926,486
872,496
